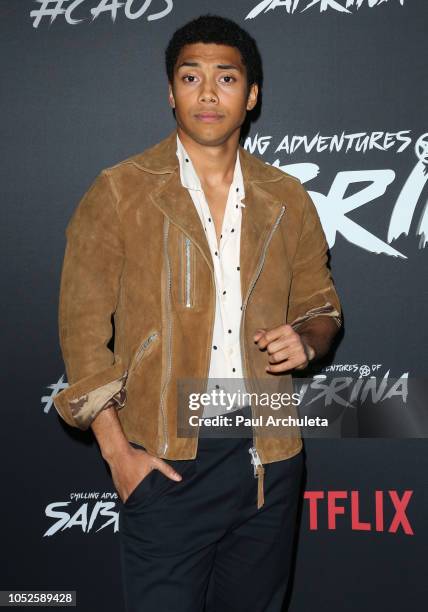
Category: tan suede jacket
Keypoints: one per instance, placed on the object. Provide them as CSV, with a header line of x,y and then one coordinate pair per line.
x,y
136,251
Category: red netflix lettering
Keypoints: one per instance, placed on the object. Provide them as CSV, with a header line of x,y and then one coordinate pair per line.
x,y
351,506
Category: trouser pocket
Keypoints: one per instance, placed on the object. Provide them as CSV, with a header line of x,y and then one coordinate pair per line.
x,y
156,483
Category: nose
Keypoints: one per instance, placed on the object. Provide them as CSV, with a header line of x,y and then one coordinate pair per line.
x,y
208,94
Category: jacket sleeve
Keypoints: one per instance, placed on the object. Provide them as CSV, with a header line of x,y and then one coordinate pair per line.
x,y
89,291
312,292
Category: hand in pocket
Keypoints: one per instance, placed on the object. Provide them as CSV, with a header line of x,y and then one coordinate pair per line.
x,y
130,468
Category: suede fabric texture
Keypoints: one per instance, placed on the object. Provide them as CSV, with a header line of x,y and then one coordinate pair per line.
x,y
125,262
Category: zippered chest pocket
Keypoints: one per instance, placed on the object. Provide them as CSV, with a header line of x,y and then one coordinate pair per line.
x,y
187,273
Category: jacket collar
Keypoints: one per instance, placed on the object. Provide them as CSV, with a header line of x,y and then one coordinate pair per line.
x,y
162,159
262,202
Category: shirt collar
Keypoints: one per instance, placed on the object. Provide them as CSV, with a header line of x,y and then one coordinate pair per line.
x,y
190,180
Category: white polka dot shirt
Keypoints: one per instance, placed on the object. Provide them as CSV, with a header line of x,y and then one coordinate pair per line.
x,y
226,360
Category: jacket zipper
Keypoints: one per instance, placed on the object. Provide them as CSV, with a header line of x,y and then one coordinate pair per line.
x,y
139,355
169,335
188,301
141,351
213,293
255,458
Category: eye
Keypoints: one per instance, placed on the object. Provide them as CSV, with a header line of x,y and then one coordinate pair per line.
x,y
228,76
189,76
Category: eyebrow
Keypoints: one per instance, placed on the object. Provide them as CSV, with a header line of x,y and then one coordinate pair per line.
x,y
221,66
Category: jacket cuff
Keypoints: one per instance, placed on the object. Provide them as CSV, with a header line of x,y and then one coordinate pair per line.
x,y
81,402
327,310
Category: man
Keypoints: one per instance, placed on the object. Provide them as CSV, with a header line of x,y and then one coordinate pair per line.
x,y
213,266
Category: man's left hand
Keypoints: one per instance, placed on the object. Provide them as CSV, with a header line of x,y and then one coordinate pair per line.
x,y
285,347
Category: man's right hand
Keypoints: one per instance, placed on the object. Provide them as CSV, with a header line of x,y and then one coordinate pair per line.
x,y
132,465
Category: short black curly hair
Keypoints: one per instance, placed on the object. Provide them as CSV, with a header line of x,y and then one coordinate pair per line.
x,y
221,31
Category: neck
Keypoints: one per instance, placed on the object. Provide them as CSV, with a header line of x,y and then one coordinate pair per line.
x,y
214,164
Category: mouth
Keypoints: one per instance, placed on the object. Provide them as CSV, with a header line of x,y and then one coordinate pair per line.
x,y
208,117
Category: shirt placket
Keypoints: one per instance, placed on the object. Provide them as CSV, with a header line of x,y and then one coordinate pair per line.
x,y
230,236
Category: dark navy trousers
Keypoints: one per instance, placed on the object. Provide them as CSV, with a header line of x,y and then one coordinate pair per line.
x,y
201,544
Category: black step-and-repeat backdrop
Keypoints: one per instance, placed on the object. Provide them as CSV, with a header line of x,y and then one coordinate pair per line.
x,y
344,109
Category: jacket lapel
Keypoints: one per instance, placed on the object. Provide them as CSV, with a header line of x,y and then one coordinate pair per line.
x,y
258,219
176,203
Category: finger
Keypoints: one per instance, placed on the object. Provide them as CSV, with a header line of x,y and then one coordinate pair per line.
x,y
282,333
166,469
290,351
284,342
279,356
284,366
258,334
292,362
269,336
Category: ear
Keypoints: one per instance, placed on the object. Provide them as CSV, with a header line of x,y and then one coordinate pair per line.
x,y
252,96
171,98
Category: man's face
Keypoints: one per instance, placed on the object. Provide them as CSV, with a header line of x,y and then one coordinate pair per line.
x,y
210,92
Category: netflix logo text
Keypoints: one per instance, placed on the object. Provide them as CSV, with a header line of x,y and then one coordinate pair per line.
x,y
384,511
